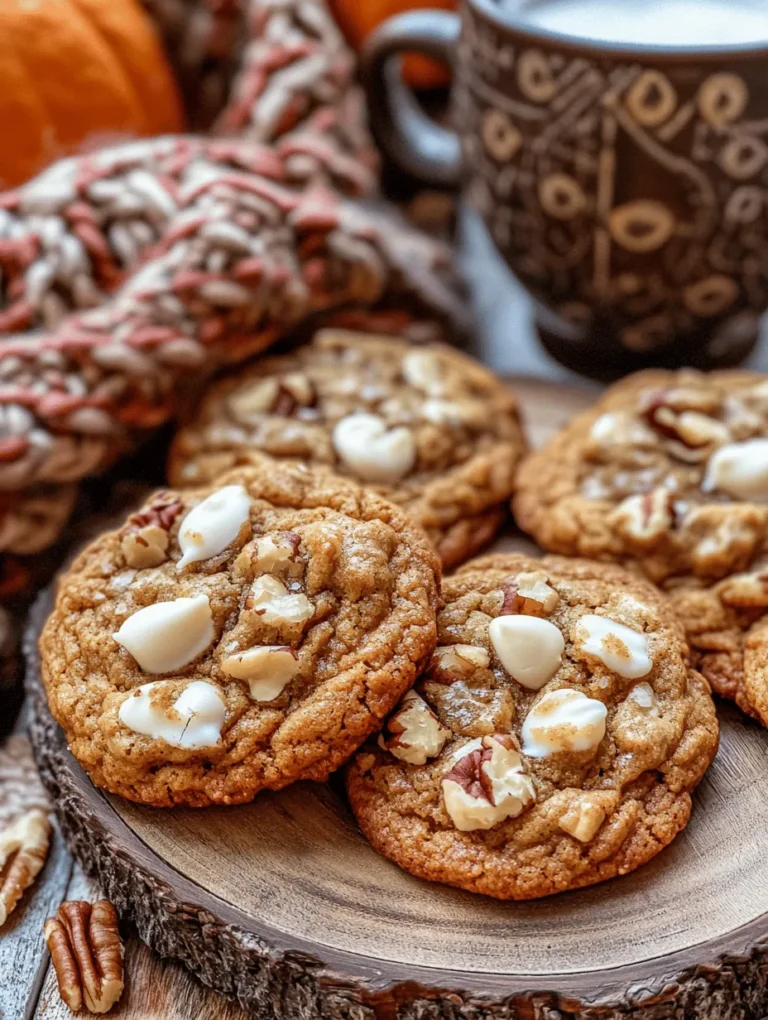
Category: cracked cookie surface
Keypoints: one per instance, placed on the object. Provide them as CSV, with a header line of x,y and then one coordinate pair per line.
x,y
425,426
669,471
239,637
553,741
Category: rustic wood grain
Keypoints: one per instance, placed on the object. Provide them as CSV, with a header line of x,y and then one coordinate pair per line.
x,y
284,905
23,956
155,989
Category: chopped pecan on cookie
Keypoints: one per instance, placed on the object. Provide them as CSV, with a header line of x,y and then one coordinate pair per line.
x,y
288,614
553,741
427,427
670,471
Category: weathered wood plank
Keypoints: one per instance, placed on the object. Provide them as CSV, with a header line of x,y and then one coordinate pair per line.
x,y
154,989
23,957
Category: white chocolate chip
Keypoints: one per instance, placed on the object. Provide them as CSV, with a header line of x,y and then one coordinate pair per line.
x,y
530,649
621,649
193,721
266,668
486,784
740,470
165,636
371,451
564,720
213,524
416,733
273,603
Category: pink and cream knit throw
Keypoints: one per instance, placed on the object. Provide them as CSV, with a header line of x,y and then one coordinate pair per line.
x,y
125,272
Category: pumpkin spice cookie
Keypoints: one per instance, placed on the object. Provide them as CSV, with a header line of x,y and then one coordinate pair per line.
x,y
239,637
425,426
553,741
670,472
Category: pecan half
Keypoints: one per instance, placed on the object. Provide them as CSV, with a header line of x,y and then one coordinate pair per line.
x,y
87,953
23,850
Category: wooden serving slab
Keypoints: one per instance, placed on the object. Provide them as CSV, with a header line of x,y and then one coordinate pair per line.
x,y
283,904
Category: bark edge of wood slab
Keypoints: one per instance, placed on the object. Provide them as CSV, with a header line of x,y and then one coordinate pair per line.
x,y
276,973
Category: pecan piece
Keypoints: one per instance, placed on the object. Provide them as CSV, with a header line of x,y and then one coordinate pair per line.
x,y
745,591
144,539
469,773
586,813
87,953
273,395
23,850
646,518
272,554
690,430
163,511
415,731
529,594
487,784
453,662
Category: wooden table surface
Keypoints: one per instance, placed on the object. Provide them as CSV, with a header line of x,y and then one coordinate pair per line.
x,y
157,990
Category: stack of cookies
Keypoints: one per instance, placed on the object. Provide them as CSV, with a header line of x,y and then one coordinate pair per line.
x,y
523,726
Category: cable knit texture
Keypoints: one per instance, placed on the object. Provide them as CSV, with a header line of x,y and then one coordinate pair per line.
x,y
126,271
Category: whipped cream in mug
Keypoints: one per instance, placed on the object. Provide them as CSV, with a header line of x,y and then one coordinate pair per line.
x,y
649,22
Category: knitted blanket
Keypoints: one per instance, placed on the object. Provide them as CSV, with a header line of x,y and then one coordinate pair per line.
x,y
125,272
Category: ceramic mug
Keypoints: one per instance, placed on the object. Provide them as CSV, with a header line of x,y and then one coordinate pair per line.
x,y
625,186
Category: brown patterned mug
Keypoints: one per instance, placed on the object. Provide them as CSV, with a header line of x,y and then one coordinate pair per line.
x,y
626,186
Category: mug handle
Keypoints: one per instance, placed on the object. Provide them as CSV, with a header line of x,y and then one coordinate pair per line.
x,y
416,144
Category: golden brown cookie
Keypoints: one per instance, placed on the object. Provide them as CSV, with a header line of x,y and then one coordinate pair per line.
x,y
554,740
240,637
425,426
670,472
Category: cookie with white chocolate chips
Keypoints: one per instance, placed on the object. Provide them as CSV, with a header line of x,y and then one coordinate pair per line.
x,y
239,637
426,426
670,472
553,741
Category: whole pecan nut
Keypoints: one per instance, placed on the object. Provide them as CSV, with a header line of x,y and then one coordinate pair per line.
x,y
87,954
23,850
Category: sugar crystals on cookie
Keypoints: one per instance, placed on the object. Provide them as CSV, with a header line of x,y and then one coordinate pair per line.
x,y
239,637
552,742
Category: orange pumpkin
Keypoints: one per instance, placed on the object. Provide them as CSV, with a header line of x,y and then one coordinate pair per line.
x,y
74,73
358,18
